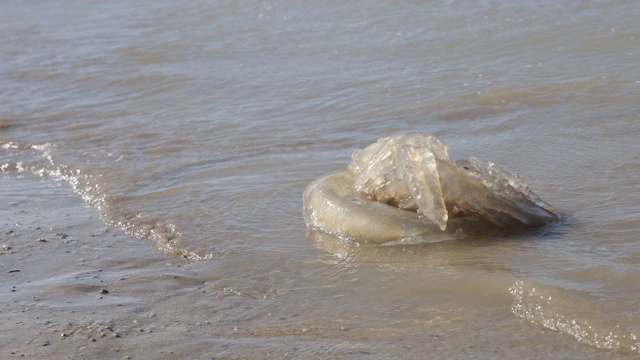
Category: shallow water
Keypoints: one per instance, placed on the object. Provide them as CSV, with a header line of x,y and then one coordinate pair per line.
x,y
196,127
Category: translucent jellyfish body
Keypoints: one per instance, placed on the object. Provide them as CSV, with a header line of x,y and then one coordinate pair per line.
x,y
405,186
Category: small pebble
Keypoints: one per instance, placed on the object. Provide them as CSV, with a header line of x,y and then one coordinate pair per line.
x,y
46,343
104,291
63,335
42,240
92,339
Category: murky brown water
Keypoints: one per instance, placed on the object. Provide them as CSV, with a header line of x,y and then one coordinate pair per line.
x,y
195,128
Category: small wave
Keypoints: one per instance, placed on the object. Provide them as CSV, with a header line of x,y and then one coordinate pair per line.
x,y
571,314
39,160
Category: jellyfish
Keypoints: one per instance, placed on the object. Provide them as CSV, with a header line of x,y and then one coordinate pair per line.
x,y
404,186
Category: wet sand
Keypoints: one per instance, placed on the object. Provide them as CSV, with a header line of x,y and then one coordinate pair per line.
x,y
73,288
76,289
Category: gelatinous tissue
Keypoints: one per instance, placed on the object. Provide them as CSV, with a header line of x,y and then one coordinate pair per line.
x,y
405,186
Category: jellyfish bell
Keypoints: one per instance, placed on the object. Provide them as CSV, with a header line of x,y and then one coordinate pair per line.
x,y
405,186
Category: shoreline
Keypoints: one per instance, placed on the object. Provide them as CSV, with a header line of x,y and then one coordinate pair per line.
x,y
75,288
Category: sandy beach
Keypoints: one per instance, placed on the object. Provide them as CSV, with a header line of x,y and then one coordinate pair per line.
x,y
71,288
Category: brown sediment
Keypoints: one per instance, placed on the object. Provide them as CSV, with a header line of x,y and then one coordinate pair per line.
x,y
163,308
54,306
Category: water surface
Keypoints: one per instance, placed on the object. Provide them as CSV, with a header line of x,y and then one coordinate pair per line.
x,y
195,128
